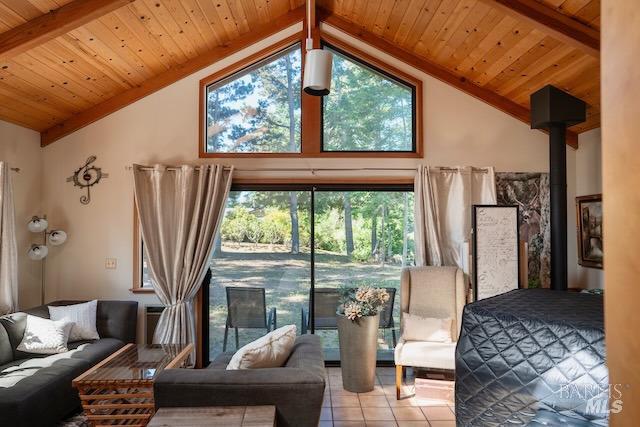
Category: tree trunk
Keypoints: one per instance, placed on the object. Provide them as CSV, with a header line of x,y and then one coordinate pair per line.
x,y
383,243
293,197
374,234
217,247
293,212
348,226
405,231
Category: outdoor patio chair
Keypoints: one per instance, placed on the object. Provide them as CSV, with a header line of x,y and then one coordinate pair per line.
x,y
326,301
247,309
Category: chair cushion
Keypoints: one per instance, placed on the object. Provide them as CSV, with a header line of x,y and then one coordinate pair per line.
x,y
269,351
418,328
424,354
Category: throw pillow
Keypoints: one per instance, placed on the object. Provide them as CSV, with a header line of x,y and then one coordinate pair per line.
x,y
83,317
269,351
44,336
416,328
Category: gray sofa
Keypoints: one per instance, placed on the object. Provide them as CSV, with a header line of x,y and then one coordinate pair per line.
x,y
36,390
296,389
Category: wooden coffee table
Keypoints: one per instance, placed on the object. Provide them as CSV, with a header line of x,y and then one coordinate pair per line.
x,y
119,390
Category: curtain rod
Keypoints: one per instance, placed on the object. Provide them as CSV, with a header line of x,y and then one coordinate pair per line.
x,y
313,170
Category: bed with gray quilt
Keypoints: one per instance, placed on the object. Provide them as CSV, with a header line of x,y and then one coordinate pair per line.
x,y
532,357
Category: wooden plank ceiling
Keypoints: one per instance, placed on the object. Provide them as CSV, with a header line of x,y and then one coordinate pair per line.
x,y
56,77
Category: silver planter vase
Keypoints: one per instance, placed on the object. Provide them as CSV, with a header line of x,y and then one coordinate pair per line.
x,y
358,352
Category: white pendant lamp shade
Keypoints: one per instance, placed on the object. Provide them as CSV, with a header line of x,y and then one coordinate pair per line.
x,y
38,252
317,72
37,225
57,237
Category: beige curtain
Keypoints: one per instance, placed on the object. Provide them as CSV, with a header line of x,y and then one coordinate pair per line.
x,y
8,245
443,202
180,210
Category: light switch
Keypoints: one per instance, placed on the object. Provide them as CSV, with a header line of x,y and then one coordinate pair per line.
x,y
110,263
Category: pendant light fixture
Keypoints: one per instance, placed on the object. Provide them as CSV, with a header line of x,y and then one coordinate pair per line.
x,y
317,63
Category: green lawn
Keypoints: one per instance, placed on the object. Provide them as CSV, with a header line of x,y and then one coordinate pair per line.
x,y
285,278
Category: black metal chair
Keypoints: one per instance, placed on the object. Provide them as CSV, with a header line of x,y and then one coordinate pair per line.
x,y
247,309
326,301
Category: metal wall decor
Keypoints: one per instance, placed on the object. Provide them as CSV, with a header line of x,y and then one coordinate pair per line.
x,y
86,176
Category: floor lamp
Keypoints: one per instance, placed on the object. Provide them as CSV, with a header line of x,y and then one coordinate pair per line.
x,y
39,252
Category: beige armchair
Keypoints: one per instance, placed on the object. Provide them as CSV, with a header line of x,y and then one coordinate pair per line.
x,y
438,292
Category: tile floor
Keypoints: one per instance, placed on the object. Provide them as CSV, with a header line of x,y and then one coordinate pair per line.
x,y
379,408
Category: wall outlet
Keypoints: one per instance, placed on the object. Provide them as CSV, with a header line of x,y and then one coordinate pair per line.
x,y
110,263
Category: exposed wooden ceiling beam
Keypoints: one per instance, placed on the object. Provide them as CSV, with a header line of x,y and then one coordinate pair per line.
x,y
168,77
495,100
552,22
53,24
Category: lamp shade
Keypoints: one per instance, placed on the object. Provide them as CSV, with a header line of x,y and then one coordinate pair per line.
x,y
37,252
37,225
57,237
317,72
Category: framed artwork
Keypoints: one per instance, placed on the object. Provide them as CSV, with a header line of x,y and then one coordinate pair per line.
x,y
496,255
589,221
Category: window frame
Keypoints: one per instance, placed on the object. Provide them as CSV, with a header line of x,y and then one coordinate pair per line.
x,y
386,74
311,143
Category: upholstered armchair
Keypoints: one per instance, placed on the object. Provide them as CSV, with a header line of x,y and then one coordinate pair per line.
x,y
436,292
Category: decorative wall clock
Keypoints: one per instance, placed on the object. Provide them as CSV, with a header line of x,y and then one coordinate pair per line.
x,y
86,176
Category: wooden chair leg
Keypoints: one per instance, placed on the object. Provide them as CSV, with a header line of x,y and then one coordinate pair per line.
x,y
399,374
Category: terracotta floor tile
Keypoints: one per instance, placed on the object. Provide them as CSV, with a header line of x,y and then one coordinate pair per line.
x,y
373,401
378,414
442,423
387,379
377,390
405,401
413,424
325,414
325,424
438,413
349,424
347,414
405,413
342,401
381,424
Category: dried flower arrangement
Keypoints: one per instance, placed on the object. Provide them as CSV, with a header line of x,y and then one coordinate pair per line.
x,y
362,301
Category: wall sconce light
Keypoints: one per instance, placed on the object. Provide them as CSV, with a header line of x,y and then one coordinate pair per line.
x,y
39,252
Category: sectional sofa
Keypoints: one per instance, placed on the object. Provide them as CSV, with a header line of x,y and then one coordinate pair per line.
x,y
35,390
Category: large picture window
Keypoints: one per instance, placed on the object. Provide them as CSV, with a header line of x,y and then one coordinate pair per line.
x,y
367,109
256,110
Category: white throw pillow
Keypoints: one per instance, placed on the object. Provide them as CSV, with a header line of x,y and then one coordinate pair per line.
x,y
416,328
83,317
45,336
269,351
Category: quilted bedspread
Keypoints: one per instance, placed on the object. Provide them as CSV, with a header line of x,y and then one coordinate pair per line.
x,y
532,357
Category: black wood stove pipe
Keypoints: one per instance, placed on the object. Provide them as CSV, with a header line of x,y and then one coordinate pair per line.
x,y
555,110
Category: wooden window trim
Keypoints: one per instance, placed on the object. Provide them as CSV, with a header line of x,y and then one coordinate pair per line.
x,y
311,106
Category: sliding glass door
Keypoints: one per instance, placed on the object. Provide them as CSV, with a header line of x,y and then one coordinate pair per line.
x,y
278,243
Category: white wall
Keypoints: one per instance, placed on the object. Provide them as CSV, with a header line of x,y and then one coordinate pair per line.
x,y
588,181
163,127
20,147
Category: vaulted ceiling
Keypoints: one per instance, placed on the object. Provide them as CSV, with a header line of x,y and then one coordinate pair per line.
x,y
67,63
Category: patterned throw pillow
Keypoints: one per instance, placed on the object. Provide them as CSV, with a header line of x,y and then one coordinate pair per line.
x,y
83,317
44,336
269,351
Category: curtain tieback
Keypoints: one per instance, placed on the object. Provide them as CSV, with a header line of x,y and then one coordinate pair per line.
x,y
176,304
